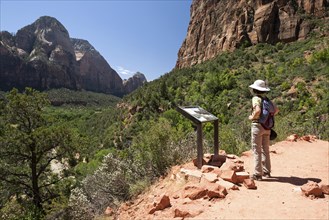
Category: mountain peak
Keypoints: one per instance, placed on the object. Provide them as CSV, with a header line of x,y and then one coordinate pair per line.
x,y
49,22
82,45
134,82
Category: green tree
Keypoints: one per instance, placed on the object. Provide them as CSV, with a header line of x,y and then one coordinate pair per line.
x,y
29,143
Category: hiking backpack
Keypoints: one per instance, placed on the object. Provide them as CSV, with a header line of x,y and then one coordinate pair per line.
x,y
267,115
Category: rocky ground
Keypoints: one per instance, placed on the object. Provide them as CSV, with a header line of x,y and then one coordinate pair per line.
x,y
181,194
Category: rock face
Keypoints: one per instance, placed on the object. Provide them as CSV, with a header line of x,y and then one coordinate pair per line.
x,y
221,25
43,56
134,82
96,74
40,56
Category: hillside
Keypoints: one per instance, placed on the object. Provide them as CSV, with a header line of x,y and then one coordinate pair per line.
x,y
296,74
278,197
66,97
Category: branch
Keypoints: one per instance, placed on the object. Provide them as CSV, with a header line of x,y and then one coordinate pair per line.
x,y
43,167
16,182
16,174
43,152
7,154
51,183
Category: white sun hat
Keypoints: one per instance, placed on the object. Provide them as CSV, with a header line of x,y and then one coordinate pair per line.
x,y
260,85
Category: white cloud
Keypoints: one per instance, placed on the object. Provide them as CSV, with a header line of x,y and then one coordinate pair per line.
x,y
121,70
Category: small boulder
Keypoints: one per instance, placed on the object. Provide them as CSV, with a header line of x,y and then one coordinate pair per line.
x,y
192,175
249,184
214,190
242,176
182,213
325,188
195,192
109,211
229,175
306,138
211,177
292,138
207,168
311,188
163,203
226,184
236,165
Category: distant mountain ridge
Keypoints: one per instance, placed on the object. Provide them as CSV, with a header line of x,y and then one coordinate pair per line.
x,y
223,25
43,56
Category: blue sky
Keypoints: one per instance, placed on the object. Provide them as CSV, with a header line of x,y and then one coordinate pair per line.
x,y
135,35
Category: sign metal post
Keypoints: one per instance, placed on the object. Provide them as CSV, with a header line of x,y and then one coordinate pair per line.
x,y
198,116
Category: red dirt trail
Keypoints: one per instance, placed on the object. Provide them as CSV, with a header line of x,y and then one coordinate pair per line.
x,y
278,197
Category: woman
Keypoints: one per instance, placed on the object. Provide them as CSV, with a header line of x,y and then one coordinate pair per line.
x,y
260,137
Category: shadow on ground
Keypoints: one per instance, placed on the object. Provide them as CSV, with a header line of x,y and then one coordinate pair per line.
x,y
294,180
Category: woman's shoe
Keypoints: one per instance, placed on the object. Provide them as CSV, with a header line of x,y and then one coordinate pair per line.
x,y
256,177
267,175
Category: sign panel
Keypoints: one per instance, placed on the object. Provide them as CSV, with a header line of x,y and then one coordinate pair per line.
x,y
197,113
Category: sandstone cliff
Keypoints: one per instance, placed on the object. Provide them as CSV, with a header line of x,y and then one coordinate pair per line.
x,y
96,74
40,56
134,82
43,56
223,25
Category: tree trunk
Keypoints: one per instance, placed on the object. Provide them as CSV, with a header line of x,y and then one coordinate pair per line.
x,y
35,185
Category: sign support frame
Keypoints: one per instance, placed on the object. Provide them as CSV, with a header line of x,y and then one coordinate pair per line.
x,y
198,116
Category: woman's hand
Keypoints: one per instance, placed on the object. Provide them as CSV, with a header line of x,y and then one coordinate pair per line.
x,y
255,113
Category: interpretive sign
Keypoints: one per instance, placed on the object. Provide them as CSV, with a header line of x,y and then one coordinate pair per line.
x,y
198,115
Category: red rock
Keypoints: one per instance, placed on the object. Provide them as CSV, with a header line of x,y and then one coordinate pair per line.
x,y
192,175
217,192
242,176
250,21
186,213
249,184
214,194
292,137
226,184
223,191
325,188
211,177
108,211
246,153
306,138
236,165
231,156
311,188
207,168
195,192
229,175
163,203
217,171
181,213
